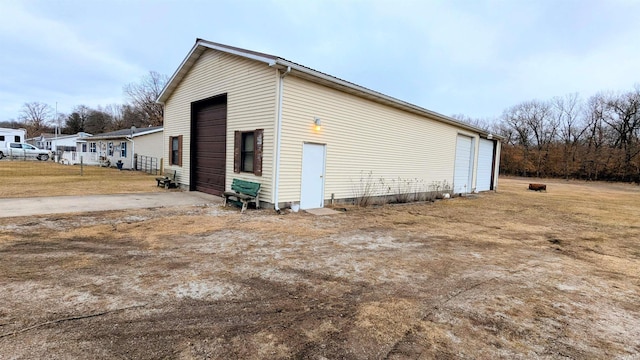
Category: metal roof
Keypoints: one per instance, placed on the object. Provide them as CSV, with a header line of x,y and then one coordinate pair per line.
x,y
131,132
49,136
309,74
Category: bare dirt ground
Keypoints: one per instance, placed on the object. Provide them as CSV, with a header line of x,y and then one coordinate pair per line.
x,y
513,274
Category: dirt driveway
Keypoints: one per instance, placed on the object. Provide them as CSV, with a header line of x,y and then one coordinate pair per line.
x,y
89,203
514,274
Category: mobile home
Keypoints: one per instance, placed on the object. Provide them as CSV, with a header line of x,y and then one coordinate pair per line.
x,y
11,135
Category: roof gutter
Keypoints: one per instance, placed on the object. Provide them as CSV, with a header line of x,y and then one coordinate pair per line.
x,y
110,137
276,180
120,136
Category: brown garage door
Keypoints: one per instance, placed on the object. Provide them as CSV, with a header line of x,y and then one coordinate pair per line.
x,y
208,152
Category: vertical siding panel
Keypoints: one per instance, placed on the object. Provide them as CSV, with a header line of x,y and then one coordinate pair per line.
x,y
497,166
148,145
362,136
251,98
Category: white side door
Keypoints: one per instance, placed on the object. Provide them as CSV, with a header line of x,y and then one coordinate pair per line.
x,y
462,171
485,165
312,186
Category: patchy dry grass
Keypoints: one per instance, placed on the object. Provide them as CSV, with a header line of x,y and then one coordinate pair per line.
x,y
513,274
37,178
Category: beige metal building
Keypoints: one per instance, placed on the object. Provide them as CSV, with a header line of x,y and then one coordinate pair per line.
x,y
306,136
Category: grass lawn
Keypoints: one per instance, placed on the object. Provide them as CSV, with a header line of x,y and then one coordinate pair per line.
x,y
37,178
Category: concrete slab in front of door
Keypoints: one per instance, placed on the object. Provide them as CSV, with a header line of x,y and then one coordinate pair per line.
x,y
322,211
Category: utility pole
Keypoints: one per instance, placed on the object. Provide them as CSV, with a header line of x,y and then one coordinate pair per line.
x,y
56,130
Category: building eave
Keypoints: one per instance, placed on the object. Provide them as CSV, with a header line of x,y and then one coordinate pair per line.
x,y
148,132
312,75
360,91
140,132
111,137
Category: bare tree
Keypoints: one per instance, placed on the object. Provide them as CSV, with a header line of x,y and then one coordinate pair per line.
x,y
515,124
12,124
624,119
77,120
36,116
483,124
596,136
98,121
534,130
596,140
142,96
544,129
116,112
569,114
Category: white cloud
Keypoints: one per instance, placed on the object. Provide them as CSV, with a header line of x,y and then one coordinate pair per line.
x,y
57,39
51,61
454,56
611,64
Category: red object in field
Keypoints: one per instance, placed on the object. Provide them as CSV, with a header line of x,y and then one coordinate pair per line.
x,y
538,187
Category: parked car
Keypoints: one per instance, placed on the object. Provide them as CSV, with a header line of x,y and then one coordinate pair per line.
x,y
24,150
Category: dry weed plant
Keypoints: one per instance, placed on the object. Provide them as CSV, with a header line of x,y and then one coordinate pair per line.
x,y
366,189
370,190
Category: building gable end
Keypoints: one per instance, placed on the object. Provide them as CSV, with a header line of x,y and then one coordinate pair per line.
x,y
198,49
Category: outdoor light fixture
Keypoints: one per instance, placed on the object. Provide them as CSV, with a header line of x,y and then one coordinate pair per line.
x,y
489,136
317,122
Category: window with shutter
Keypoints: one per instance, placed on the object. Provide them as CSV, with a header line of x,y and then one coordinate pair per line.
x,y
175,150
237,146
247,154
257,156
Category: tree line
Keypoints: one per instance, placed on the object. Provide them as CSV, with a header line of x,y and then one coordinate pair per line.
x,y
140,110
568,136
597,138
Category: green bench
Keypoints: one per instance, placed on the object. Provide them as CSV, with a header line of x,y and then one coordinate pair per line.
x,y
168,179
242,193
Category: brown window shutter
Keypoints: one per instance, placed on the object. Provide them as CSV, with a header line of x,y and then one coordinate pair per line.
x,y
170,150
257,152
237,145
179,150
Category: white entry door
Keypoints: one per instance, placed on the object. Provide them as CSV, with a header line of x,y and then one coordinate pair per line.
x,y
485,165
462,168
312,187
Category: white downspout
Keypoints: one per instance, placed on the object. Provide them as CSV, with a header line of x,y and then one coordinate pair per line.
x,y
133,151
276,181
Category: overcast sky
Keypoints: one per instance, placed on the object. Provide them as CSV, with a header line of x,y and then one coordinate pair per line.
x,y
467,57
